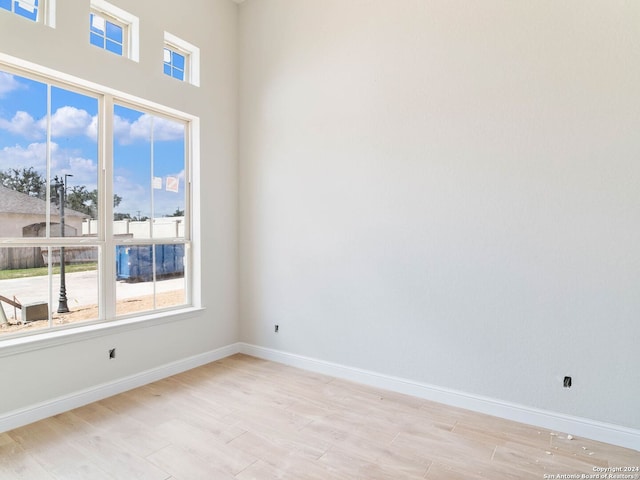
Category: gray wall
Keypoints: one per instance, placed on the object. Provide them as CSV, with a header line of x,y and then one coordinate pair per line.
x,y
447,191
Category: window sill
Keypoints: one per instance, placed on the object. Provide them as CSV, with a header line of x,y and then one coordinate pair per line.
x,y
14,346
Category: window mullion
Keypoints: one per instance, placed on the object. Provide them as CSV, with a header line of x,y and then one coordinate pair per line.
x,y
192,233
105,231
47,209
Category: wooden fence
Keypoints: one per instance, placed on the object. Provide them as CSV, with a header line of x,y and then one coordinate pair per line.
x,y
12,258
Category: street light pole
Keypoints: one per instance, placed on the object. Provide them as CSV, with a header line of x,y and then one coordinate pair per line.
x,y
62,299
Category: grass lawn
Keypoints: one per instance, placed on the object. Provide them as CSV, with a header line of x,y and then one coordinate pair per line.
x,y
37,272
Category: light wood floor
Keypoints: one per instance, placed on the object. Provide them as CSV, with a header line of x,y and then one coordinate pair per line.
x,y
244,418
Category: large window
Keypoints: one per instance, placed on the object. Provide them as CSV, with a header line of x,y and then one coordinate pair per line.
x,y
94,207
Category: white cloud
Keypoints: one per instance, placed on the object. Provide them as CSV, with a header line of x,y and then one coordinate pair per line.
x,y
121,130
8,83
84,170
92,128
34,155
135,197
167,130
65,122
24,125
163,130
69,122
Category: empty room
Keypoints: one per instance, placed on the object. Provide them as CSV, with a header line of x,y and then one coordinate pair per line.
x,y
319,239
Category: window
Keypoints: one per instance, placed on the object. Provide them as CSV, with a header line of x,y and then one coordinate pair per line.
x,y
174,63
107,33
181,59
149,167
87,237
24,8
34,10
114,30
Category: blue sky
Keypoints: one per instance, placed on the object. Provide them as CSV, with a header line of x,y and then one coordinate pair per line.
x,y
74,127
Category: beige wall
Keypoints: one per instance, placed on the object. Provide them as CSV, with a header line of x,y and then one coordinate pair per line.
x,y
447,191
12,225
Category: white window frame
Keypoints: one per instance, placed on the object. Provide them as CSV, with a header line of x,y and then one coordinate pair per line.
x,y
129,22
15,343
191,54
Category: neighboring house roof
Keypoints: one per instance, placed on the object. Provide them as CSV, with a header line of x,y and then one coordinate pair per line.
x,y
18,202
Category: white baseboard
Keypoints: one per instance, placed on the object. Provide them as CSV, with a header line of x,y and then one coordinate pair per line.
x,y
33,413
576,426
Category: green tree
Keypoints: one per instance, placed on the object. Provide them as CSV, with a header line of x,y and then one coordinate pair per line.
x,y
177,213
32,183
25,180
82,200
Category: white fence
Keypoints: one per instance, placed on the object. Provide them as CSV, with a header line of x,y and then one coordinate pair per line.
x,y
164,227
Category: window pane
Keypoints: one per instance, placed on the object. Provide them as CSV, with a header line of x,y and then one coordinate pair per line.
x,y
114,47
167,69
77,290
132,170
169,166
27,9
74,162
97,23
97,40
178,60
24,286
30,296
170,283
23,157
6,4
149,171
114,32
149,277
179,74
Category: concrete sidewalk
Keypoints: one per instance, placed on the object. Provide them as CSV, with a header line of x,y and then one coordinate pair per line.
x,y
82,289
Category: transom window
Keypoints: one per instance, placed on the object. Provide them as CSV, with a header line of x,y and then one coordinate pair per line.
x,y
114,30
94,207
174,63
25,8
181,59
107,33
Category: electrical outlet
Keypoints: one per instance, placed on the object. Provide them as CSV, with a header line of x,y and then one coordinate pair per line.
x,y
112,353
567,382
276,328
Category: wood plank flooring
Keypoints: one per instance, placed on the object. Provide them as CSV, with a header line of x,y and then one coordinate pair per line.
x,y
248,419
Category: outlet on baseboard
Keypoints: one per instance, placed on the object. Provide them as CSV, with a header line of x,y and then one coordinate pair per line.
x,y
112,353
276,328
567,382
